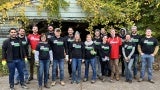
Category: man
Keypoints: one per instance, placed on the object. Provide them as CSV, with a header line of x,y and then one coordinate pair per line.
x,y
69,39
25,43
50,32
33,41
135,38
59,47
103,32
97,41
148,48
13,54
115,43
122,35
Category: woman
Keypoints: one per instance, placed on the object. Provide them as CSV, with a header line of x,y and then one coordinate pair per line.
x,y
128,49
90,54
76,56
43,55
104,51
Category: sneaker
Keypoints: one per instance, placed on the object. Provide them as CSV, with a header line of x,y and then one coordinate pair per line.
x,y
126,80
93,81
70,77
135,77
85,80
111,80
46,86
140,80
151,81
62,83
103,79
117,77
53,83
40,88
24,86
78,82
100,77
30,78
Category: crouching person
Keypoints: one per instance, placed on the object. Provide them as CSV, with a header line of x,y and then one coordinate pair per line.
x,y
43,55
76,56
128,50
90,54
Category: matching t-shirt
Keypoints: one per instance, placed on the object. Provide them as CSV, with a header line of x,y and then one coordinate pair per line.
x,y
136,39
128,47
148,45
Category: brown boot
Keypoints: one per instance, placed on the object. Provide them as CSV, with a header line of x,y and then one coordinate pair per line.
x,y
117,77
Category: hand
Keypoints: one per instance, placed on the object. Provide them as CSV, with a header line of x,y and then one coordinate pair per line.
x,y
67,58
83,60
33,51
142,54
70,60
26,60
152,55
4,62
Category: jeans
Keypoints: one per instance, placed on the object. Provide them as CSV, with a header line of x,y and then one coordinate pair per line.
x,y
31,65
25,71
59,62
147,60
93,65
105,67
43,68
15,64
99,73
76,66
128,69
135,70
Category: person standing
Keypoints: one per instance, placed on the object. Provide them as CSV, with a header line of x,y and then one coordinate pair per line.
x,y
43,55
104,51
69,39
115,43
25,43
128,49
33,41
122,35
90,53
136,39
59,48
103,32
76,57
13,54
50,32
148,48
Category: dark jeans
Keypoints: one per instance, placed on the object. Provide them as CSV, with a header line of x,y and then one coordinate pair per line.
x,y
123,66
106,68
15,64
93,65
76,66
43,69
69,68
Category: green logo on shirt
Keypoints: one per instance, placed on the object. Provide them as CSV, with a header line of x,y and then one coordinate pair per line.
x,y
24,42
105,48
88,48
76,46
15,44
58,43
97,43
44,48
148,42
70,40
135,40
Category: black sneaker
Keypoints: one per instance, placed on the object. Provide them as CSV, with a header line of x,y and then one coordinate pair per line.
x,y
16,82
24,86
126,80
46,86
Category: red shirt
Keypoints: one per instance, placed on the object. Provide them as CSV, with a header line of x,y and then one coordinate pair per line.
x,y
34,40
115,43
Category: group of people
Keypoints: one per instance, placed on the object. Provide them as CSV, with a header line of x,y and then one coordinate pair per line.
x,y
101,51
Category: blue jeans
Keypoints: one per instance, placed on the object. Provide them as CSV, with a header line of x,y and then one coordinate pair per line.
x,y
147,60
93,65
76,66
128,69
135,70
25,71
57,62
43,68
98,63
15,64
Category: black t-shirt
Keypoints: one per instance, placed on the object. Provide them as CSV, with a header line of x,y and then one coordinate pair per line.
x,y
128,46
97,43
148,45
104,50
88,49
50,34
43,49
15,48
136,39
25,44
